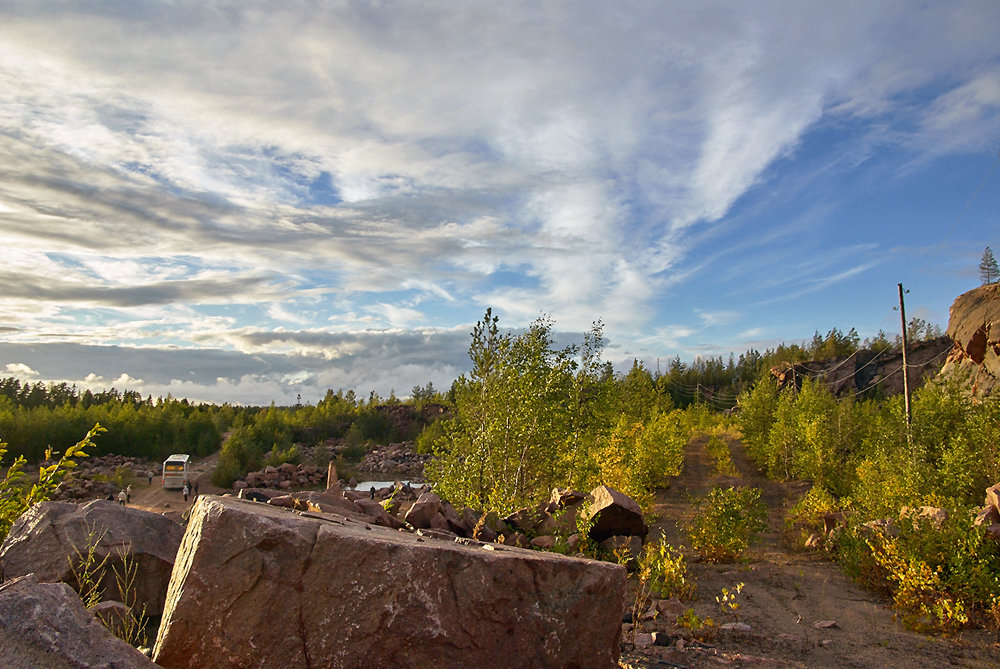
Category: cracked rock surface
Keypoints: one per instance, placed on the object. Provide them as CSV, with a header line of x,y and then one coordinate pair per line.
x,y
45,539
257,585
47,625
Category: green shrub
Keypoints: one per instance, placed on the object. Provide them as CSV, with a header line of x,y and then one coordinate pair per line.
x,y
123,477
756,417
885,483
276,457
942,576
429,436
321,455
639,457
17,494
719,450
664,571
807,516
226,471
726,522
90,572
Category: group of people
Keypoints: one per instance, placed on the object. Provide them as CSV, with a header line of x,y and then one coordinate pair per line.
x,y
125,494
187,489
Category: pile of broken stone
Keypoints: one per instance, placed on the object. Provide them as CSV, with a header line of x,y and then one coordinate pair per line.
x,y
399,458
282,477
610,518
332,578
93,477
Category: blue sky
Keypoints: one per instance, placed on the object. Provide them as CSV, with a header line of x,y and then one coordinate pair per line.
x,y
247,202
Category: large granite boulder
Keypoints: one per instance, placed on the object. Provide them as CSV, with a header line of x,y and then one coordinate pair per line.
x,y
423,510
256,585
46,537
613,513
46,625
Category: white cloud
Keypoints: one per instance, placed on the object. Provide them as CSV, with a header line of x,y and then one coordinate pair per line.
x,y
19,369
713,318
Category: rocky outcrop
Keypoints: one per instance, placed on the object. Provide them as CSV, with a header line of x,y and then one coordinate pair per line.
x,y
46,537
405,421
972,345
257,585
989,516
868,370
974,327
46,625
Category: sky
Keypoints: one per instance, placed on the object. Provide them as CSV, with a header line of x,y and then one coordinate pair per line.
x,y
251,202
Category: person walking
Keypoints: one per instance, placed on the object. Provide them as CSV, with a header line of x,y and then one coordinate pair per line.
x,y
122,497
128,494
186,491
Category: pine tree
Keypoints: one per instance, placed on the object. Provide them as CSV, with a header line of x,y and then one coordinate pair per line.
x,y
988,270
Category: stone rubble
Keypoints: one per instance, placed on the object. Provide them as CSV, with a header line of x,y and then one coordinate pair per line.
x,y
95,477
399,459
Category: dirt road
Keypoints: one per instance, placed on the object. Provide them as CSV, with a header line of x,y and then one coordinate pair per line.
x,y
171,503
786,591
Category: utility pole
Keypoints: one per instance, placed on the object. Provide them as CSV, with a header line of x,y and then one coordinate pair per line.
x,y
906,382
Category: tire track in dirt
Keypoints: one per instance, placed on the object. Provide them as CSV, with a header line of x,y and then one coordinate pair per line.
x,y
787,590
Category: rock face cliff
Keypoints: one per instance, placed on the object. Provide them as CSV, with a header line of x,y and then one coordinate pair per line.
x,y
868,371
974,327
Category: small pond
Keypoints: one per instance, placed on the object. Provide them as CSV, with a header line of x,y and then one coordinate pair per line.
x,y
367,485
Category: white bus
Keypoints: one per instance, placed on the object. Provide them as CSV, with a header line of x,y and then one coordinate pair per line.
x,y
175,470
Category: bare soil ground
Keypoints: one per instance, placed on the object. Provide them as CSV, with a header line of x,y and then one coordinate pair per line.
x,y
786,591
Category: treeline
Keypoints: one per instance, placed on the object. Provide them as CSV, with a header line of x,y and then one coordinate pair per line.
x,y
36,417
